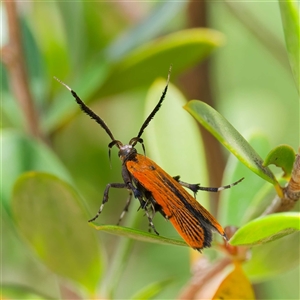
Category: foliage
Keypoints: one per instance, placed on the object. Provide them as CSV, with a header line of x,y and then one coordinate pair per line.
x,y
52,185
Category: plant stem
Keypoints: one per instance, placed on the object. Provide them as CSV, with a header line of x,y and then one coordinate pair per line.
x,y
13,58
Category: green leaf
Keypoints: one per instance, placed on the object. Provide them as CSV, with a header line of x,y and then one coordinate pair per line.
x,y
141,66
20,154
183,48
50,216
282,156
272,259
266,229
152,290
138,235
229,137
22,268
148,28
290,21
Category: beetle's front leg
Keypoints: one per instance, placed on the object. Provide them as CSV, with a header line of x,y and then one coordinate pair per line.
x,y
105,197
125,210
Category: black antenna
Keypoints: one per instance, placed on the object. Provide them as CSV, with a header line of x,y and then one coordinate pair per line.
x,y
90,113
155,110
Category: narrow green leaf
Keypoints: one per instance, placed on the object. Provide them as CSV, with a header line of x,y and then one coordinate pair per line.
x,y
182,49
282,156
266,229
229,137
148,28
290,21
50,216
138,235
152,290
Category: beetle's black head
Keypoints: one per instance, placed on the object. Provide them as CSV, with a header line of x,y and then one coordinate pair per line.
x,y
126,152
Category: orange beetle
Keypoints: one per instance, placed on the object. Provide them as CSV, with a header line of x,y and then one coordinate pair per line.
x,y
158,191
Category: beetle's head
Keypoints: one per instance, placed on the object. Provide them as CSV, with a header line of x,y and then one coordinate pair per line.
x,y
126,151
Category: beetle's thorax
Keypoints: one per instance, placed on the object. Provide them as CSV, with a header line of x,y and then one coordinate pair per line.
x,y
126,152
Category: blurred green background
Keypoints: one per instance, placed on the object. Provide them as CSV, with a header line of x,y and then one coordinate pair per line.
x,y
91,46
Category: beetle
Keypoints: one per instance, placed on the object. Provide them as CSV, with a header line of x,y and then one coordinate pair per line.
x,y
155,189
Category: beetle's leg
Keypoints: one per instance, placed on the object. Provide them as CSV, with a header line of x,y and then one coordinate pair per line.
x,y
143,197
147,205
105,196
193,187
150,212
150,218
125,210
196,187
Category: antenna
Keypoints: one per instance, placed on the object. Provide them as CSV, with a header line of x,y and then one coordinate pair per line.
x,y
90,113
155,110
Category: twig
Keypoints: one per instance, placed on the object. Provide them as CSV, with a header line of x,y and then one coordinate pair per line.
x,y
291,193
13,58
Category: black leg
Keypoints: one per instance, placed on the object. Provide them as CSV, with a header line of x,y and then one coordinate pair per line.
x,y
196,187
105,197
150,218
125,210
148,207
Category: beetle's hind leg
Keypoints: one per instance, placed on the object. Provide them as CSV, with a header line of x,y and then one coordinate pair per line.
x,y
196,187
150,212
151,225
146,204
105,197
